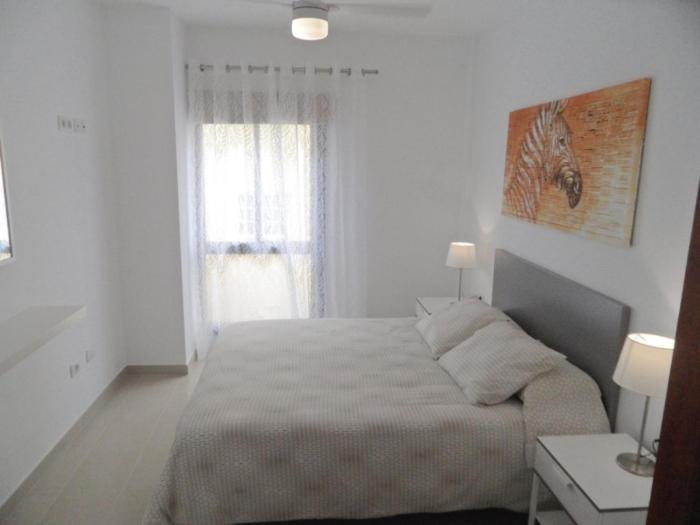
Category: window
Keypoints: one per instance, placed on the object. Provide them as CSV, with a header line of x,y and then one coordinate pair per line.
x,y
261,221
5,246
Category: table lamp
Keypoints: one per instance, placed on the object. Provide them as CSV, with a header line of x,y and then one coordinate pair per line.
x,y
461,255
644,367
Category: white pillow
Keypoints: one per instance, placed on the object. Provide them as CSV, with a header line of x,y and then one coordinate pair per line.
x,y
445,329
498,361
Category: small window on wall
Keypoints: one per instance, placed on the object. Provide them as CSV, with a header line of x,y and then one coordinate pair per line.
x,y
5,238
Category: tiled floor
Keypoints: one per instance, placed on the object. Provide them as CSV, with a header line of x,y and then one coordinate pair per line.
x,y
108,467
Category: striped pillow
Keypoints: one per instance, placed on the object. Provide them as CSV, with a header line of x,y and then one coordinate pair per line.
x,y
445,329
498,361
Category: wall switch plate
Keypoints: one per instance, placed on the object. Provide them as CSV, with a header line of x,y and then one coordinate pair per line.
x,y
64,123
73,370
76,125
89,355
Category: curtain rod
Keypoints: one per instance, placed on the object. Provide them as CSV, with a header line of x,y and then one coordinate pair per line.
x,y
295,69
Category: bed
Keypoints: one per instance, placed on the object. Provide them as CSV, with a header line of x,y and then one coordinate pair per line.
x,y
353,418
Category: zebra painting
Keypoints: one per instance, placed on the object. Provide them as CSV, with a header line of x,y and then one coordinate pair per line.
x,y
546,157
573,164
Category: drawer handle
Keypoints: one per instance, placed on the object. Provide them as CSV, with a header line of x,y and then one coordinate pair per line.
x,y
565,480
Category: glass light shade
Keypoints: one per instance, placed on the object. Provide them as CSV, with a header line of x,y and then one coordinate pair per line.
x,y
310,28
645,364
461,255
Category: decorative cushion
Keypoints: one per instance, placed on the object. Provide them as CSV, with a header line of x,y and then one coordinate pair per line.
x,y
446,328
498,361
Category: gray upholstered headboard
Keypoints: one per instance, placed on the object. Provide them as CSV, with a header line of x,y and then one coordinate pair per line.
x,y
586,326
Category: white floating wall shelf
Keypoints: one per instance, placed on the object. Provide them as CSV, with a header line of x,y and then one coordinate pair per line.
x,y
31,329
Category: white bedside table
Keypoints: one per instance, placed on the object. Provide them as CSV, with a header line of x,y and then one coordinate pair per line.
x,y
427,305
582,474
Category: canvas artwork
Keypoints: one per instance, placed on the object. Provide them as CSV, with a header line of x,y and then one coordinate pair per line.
x,y
574,163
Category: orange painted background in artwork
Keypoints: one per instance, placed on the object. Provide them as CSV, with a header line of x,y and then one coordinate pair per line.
x,y
607,137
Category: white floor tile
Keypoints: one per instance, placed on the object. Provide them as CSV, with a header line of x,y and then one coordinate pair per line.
x,y
107,470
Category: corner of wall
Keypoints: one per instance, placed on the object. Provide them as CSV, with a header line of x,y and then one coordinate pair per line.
x,y
146,98
181,129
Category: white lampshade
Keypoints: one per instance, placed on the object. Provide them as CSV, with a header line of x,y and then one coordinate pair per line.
x,y
461,255
645,364
310,23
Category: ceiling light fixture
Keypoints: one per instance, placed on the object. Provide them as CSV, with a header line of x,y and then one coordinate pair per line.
x,y
310,17
309,20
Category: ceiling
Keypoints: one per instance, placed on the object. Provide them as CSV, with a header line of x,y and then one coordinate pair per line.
x,y
447,17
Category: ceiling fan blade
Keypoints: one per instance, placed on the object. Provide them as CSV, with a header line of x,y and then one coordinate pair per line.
x,y
416,11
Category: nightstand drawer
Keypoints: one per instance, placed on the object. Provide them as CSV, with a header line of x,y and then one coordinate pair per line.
x,y
565,490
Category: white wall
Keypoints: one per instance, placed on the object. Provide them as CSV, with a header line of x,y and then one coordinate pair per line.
x,y
416,155
52,61
143,45
572,48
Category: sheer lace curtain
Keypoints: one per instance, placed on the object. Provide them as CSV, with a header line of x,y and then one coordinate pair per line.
x,y
277,195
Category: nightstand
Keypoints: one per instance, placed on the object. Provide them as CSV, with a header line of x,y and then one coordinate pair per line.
x,y
427,305
582,474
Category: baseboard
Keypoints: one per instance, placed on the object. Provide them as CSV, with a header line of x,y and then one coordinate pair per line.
x,y
88,415
174,370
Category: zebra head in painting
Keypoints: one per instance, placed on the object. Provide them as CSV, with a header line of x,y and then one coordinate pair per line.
x,y
546,157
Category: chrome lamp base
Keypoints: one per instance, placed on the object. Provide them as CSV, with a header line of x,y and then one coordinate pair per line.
x,y
636,464
459,290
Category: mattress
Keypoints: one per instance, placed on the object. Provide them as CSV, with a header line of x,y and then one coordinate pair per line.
x,y
335,419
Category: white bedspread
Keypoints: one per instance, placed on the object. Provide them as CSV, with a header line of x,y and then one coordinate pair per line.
x,y
335,418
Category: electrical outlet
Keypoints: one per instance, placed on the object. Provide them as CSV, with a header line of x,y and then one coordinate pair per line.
x,y
74,369
79,125
89,355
